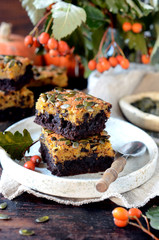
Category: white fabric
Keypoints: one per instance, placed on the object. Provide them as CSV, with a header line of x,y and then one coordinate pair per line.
x,y
110,86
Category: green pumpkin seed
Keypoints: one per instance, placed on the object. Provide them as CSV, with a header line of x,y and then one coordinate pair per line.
x,y
102,141
68,142
3,205
78,99
43,97
58,89
88,104
75,144
89,109
8,58
64,106
4,217
51,99
79,106
61,98
71,94
11,63
42,219
26,232
61,139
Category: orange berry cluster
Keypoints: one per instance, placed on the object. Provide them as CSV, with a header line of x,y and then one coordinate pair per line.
x,y
103,64
54,47
34,162
122,216
135,27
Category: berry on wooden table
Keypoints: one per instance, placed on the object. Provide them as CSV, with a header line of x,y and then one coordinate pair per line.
x,y
120,213
134,212
120,223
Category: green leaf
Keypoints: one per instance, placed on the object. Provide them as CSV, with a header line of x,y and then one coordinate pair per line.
x,y
95,18
40,4
15,144
34,14
155,52
67,17
153,215
117,6
136,41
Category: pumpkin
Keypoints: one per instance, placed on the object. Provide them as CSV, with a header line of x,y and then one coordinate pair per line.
x,y
70,61
13,44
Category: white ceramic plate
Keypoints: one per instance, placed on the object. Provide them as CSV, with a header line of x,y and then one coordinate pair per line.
x,y
136,172
136,116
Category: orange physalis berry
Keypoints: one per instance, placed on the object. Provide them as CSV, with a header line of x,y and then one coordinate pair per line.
x,y
63,47
124,63
53,53
92,64
137,27
120,213
44,37
52,43
119,58
145,59
134,212
120,223
28,41
113,61
126,26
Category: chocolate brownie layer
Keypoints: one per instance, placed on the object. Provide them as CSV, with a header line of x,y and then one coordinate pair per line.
x,y
87,164
71,113
14,85
72,131
15,113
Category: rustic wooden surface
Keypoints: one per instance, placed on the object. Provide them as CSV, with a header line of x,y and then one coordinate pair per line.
x,y
87,222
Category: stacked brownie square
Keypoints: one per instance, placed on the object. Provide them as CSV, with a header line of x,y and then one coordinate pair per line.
x,y
73,140
16,101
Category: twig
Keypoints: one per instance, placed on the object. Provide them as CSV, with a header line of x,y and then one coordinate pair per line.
x,y
29,147
41,20
144,230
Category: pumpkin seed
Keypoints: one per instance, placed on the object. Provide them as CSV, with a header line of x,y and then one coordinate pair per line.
x,y
61,139
101,141
8,58
71,94
61,98
4,217
26,232
42,219
3,205
43,97
88,104
58,89
64,106
68,142
51,99
78,99
11,63
75,144
79,106
89,109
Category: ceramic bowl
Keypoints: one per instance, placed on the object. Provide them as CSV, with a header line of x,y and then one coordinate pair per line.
x,y
136,116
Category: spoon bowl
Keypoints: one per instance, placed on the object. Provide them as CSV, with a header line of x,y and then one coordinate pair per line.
x,y
134,149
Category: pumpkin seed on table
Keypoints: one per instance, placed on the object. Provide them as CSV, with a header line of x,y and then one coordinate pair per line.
x,y
42,219
26,232
4,217
3,205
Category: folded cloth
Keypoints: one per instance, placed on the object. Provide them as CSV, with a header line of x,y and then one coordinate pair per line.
x,y
110,87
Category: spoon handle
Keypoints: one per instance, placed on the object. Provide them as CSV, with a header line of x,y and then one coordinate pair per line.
x,y
111,174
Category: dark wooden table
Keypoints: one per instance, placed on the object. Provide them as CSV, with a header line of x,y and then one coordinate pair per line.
x,y
87,222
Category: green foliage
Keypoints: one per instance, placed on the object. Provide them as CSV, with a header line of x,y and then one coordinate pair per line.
x,y
153,215
15,144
